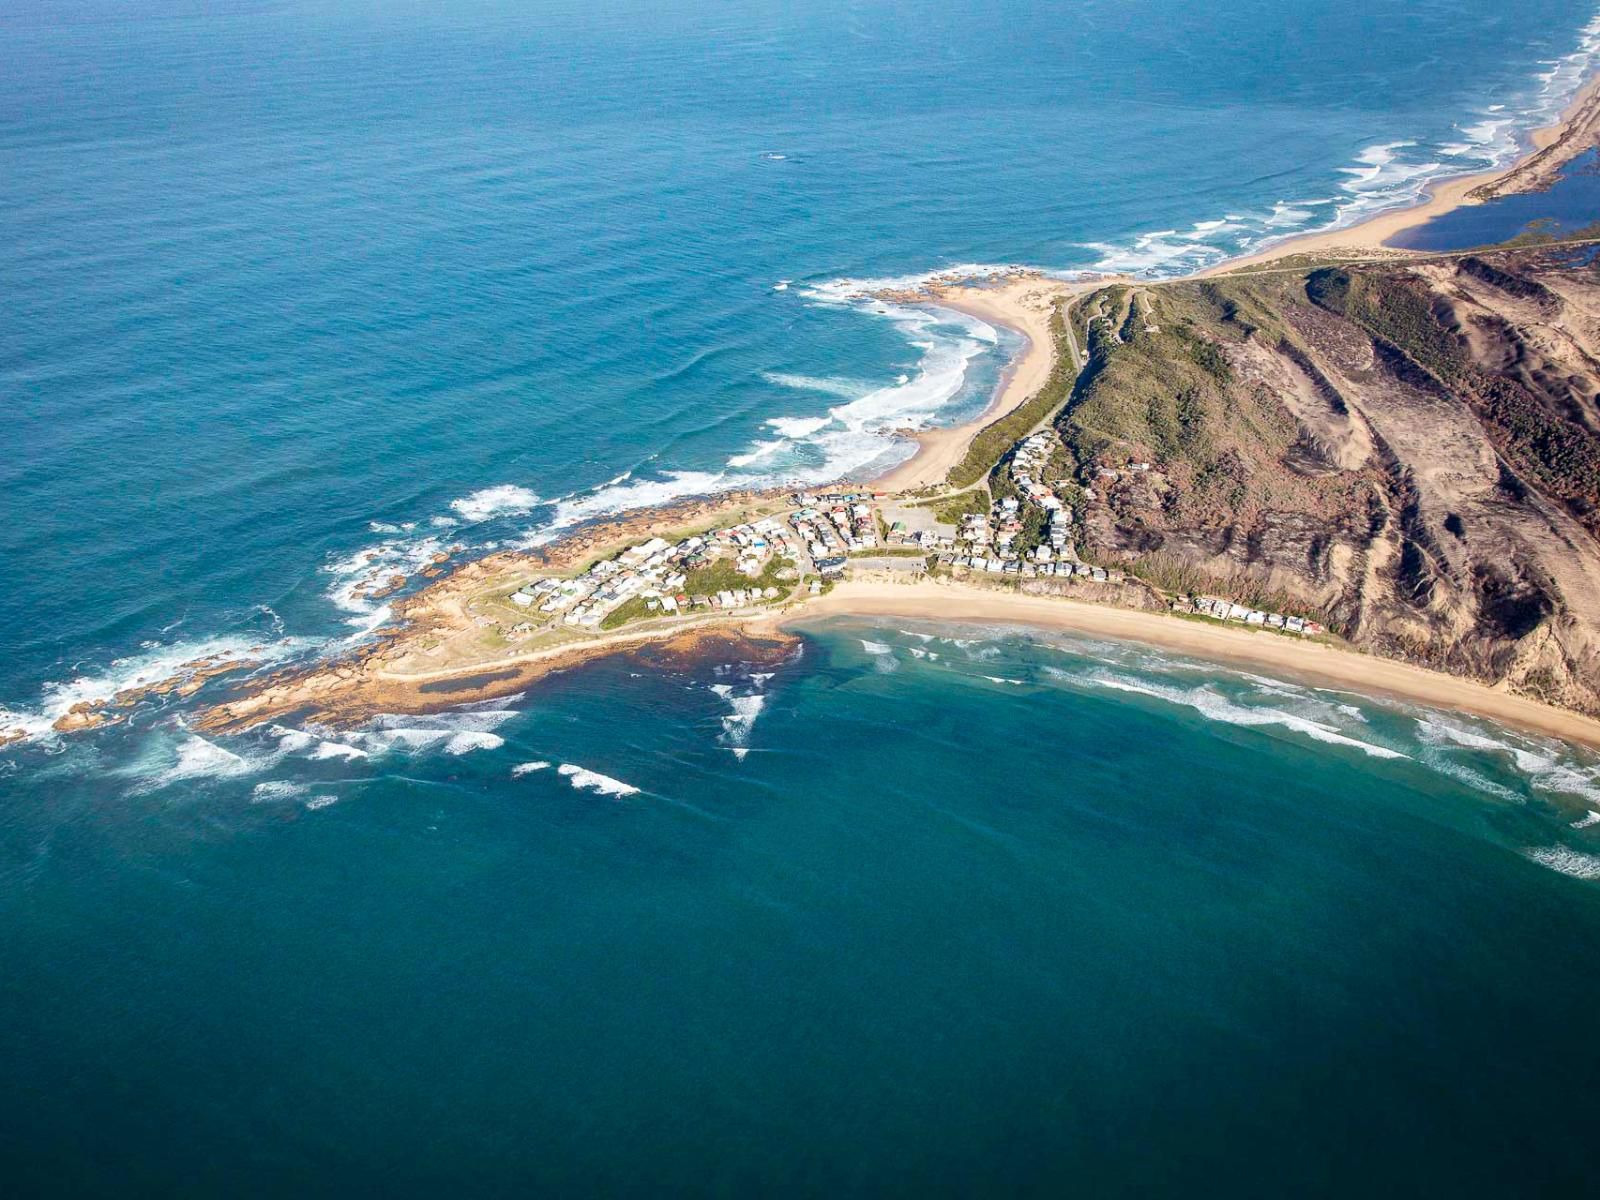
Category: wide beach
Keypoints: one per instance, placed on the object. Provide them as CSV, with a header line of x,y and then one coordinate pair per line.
x,y
1205,639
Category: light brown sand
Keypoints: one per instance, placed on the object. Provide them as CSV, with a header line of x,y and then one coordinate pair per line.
x,y
1023,303
1260,648
1552,147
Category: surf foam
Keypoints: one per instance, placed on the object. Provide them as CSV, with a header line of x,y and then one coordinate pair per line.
x,y
582,777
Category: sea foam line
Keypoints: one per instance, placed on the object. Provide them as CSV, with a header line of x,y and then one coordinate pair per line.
x,y
1382,176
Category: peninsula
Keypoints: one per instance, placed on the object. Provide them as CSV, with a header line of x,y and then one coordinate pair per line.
x,y
1357,464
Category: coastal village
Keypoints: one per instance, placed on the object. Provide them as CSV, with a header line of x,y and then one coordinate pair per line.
x,y
1023,535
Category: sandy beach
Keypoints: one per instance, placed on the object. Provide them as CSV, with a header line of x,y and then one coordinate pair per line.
x,y
1314,661
1550,148
1022,303
421,666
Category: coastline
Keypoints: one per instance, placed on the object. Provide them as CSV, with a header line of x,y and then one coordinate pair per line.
x,y
1315,661
427,645
1022,303
343,697
1550,147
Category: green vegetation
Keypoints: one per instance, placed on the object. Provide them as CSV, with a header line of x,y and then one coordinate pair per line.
x,y
1170,397
716,576
721,575
1035,529
629,610
995,439
1178,578
951,509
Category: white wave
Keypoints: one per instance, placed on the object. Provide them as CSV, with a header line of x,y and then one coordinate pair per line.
x,y
321,801
332,749
506,499
782,285
844,389
299,741
1381,176
582,777
627,493
876,647
372,568
847,290
1547,766
857,438
736,725
528,768
1589,818
200,759
381,741
1569,862
153,664
1002,679
466,743
276,789
1159,253
459,719
1477,780
1214,706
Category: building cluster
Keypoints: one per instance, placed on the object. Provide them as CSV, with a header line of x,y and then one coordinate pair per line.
x,y
657,572
992,542
1226,610
836,524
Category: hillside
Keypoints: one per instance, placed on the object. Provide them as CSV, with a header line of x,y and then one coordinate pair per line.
x,y
1409,451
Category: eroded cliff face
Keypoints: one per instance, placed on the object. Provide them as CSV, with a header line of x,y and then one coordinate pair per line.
x,y
1410,451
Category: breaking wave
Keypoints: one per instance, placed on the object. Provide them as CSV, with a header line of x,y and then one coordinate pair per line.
x,y
593,781
507,499
1214,706
1381,176
1569,862
746,708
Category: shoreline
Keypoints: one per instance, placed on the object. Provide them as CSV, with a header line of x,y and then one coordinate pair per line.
x,y
1352,669
1022,303
344,698
1550,147
383,676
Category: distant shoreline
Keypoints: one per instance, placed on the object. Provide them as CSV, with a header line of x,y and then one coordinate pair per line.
x,y
1022,301
1550,148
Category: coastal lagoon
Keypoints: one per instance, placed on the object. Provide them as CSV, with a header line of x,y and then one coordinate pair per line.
x,y
300,296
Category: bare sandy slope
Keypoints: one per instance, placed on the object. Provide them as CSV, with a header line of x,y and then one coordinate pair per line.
x,y
1552,147
1258,648
1023,303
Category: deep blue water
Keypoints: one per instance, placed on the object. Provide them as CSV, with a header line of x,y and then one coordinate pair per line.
x,y
1571,203
297,294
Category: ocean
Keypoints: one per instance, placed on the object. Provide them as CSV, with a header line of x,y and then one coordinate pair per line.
x,y
302,294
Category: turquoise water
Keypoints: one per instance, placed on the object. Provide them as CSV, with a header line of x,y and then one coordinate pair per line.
x,y
299,294
971,912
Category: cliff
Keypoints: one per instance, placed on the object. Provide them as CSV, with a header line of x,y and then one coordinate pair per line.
x,y
1410,451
